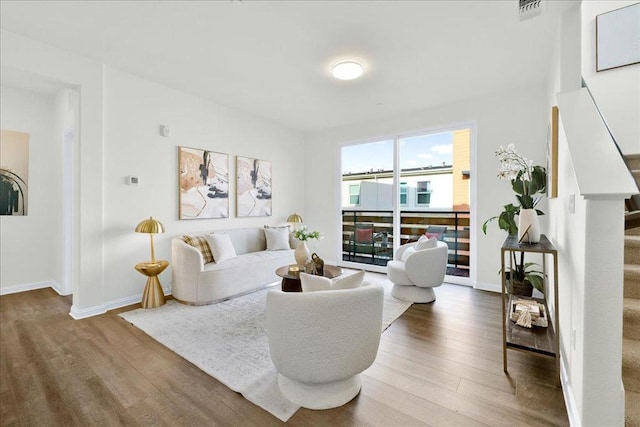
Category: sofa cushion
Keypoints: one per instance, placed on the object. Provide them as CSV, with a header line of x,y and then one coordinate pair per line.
x,y
313,283
201,244
221,247
351,281
252,260
425,243
277,238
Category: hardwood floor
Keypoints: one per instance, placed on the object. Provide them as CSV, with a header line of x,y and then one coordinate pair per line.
x,y
439,364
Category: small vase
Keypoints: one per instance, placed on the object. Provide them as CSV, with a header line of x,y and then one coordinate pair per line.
x,y
302,254
528,223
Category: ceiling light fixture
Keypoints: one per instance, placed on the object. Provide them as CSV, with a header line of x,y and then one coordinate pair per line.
x,y
347,70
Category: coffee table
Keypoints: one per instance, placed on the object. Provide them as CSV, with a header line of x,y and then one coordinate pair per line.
x,y
291,280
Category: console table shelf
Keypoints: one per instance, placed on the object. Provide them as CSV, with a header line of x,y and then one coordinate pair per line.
x,y
539,340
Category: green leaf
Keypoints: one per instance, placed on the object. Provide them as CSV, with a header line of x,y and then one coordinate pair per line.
x,y
518,185
536,281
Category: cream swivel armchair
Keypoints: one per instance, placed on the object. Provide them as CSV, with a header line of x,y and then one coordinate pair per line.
x,y
321,341
415,271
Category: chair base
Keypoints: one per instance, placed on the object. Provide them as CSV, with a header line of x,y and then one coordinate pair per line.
x,y
413,294
320,396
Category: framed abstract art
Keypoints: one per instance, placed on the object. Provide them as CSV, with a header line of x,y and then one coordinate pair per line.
x,y
253,187
204,184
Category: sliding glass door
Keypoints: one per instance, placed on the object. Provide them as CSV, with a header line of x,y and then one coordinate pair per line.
x,y
395,190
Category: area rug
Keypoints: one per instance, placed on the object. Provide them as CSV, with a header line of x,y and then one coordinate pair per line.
x,y
228,341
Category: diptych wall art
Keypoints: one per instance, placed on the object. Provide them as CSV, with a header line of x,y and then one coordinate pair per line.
x,y
14,172
204,184
253,187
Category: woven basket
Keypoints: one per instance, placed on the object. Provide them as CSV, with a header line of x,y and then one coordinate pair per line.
x,y
524,289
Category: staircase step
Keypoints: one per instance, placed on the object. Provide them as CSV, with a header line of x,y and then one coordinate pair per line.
x,y
632,409
631,365
632,281
632,161
632,249
631,319
632,231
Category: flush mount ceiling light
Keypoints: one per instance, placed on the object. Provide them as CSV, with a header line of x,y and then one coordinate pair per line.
x,y
347,70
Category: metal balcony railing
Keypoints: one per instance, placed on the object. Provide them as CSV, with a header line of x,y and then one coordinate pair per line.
x,y
367,235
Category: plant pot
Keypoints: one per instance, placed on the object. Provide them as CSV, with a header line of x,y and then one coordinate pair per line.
x,y
528,224
524,289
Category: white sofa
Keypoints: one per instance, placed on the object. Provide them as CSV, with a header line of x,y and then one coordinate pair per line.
x,y
198,283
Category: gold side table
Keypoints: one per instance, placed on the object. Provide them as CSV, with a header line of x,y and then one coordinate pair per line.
x,y
153,296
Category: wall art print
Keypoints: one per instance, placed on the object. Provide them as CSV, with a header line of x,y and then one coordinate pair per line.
x,y
204,184
253,187
14,172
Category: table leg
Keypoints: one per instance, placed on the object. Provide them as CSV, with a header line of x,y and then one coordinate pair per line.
x,y
291,285
153,296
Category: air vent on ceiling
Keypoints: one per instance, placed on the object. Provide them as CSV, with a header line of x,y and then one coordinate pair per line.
x,y
530,8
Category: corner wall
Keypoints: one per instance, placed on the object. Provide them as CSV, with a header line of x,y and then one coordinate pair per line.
x,y
118,136
591,262
31,240
617,90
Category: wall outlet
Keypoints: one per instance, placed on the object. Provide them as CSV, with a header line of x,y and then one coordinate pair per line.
x,y
165,131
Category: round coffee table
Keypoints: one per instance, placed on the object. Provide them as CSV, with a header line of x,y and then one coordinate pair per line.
x,y
291,279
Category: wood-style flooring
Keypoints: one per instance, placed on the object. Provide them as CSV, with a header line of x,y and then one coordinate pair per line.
x,y
440,364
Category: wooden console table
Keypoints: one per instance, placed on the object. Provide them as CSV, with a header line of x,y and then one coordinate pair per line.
x,y
542,341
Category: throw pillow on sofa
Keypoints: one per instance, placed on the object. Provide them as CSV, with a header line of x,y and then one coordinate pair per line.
x,y
425,243
201,244
277,238
313,283
221,247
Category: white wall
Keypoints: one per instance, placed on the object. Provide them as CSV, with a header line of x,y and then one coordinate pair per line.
x,y
118,136
134,110
590,275
515,116
616,91
39,59
33,240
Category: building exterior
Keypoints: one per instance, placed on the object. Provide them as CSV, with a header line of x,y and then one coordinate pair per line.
x,y
444,187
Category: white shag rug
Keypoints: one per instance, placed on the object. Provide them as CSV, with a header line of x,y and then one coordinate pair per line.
x,y
228,341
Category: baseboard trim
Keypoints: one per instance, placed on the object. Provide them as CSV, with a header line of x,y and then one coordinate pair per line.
x,y
97,310
569,400
24,287
491,287
83,313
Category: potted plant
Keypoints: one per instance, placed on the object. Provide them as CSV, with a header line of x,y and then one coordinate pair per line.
x,y
302,253
529,182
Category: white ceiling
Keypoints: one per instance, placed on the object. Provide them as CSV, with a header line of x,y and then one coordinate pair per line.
x,y
273,58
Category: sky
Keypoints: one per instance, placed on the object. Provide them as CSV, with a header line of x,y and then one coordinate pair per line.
x,y
416,151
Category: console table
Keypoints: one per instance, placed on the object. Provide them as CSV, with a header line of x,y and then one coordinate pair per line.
x,y
542,341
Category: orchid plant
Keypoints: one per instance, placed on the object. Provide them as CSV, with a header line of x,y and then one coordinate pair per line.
x,y
527,181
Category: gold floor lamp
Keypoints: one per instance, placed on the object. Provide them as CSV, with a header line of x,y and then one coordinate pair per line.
x,y
153,295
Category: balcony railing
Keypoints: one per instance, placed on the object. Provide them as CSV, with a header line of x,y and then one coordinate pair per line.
x,y
367,236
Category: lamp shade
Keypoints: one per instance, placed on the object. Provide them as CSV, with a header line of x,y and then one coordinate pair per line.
x,y
150,226
294,217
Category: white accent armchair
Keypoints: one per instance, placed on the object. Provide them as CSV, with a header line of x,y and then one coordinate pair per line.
x,y
321,341
415,273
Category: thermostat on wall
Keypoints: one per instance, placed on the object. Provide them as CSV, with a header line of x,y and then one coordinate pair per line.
x,y
133,180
